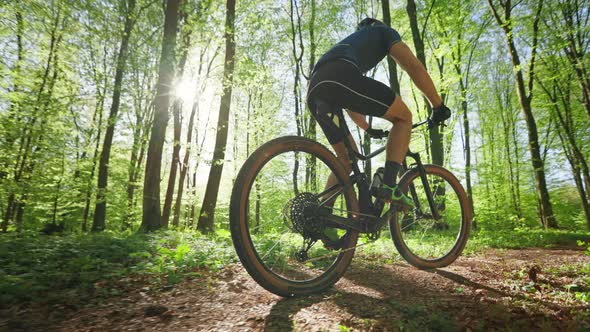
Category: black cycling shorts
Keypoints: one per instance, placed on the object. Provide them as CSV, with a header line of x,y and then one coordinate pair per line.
x,y
339,84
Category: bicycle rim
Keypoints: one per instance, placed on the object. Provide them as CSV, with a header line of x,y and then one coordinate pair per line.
x,y
275,231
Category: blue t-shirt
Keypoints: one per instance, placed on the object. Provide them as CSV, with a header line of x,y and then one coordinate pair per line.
x,y
365,47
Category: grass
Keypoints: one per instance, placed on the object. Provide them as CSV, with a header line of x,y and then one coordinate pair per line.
x,y
523,238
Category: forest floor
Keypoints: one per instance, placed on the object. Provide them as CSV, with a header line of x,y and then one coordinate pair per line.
x,y
524,289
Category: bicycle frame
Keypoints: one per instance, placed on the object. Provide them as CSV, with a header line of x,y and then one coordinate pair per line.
x,y
360,179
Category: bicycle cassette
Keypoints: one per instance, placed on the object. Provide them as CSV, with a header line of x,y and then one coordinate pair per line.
x,y
300,215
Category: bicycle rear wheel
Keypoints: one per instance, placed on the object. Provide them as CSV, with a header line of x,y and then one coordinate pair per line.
x,y
423,240
274,219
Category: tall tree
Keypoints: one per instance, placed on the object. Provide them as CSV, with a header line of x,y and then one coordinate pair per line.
x,y
464,41
297,52
176,111
311,163
436,139
100,210
524,90
143,64
32,125
184,166
393,82
573,17
207,215
14,109
151,189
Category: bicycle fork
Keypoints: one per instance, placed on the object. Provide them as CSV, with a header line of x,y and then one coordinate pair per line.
x,y
425,184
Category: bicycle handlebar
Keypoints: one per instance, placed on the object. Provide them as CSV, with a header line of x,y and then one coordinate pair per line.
x,y
430,124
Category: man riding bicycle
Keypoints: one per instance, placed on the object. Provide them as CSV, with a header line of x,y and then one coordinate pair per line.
x,y
337,83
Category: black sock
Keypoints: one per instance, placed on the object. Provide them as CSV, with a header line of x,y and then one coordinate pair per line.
x,y
391,170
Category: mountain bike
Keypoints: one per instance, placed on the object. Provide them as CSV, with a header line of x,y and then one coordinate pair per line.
x,y
280,209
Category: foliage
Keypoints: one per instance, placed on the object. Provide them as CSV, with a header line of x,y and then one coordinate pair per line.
x,y
59,61
50,268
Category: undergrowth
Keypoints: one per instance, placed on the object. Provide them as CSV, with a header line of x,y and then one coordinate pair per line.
x,y
50,268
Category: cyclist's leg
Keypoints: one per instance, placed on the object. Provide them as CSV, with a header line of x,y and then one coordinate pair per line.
x,y
399,135
342,156
374,98
341,85
397,147
331,121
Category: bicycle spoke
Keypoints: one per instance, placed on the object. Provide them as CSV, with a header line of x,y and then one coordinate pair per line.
x,y
429,225
277,243
267,223
409,226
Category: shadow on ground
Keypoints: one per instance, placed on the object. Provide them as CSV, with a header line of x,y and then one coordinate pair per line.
x,y
400,297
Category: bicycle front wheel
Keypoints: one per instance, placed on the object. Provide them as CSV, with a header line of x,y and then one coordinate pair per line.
x,y
422,238
275,218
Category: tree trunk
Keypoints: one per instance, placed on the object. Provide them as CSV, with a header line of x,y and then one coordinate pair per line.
x,y
566,131
15,107
294,11
142,122
184,167
513,187
393,83
436,139
31,142
467,146
311,162
151,190
174,164
514,137
545,208
207,214
577,175
86,212
100,210
575,49
132,169
177,109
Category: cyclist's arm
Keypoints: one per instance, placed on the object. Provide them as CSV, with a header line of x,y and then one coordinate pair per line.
x,y
404,57
358,119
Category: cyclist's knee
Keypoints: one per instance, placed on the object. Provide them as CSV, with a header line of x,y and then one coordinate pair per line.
x,y
398,112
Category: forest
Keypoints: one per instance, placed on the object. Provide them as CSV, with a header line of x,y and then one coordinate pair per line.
x,y
124,125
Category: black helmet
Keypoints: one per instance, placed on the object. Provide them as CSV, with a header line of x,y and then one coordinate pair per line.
x,y
367,22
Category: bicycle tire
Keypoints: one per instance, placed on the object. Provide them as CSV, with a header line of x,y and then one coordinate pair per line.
x,y
239,220
397,220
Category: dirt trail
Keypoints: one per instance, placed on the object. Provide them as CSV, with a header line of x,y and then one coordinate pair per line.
x,y
492,290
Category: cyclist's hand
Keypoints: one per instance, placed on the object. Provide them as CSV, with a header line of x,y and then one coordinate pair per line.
x,y
377,133
440,114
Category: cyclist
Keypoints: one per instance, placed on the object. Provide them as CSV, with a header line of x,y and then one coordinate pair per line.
x,y
337,83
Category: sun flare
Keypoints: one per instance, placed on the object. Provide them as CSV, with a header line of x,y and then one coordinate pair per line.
x,y
185,90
